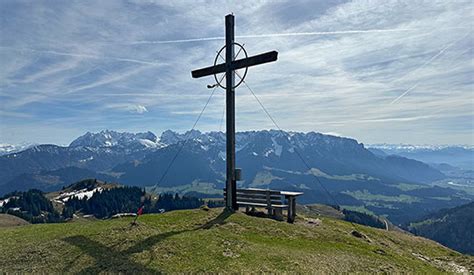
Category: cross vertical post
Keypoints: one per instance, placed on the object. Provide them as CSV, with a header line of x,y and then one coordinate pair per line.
x,y
231,186
229,68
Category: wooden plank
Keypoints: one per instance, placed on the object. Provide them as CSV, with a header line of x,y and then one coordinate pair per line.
x,y
260,204
258,191
278,202
254,60
260,200
291,193
251,204
237,64
209,71
257,196
263,200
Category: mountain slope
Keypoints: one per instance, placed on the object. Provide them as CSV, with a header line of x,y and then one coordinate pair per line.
x,y
52,157
257,151
51,180
452,227
117,139
198,240
13,148
97,152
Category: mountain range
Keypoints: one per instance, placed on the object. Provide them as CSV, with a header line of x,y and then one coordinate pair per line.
x,y
383,184
461,156
6,148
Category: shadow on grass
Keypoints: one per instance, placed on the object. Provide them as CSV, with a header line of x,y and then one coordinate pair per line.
x,y
109,260
106,259
219,220
149,242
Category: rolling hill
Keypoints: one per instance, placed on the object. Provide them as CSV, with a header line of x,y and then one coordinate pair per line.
x,y
214,241
7,220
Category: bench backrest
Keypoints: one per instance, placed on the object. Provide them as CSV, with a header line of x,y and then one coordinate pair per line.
x,y
261,196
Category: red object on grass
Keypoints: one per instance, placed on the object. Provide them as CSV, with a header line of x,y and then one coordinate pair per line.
x,y
140,211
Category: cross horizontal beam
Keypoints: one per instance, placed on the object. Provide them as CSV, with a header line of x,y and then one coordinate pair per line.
x,y
237,64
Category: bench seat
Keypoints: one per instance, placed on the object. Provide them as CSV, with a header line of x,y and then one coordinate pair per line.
x,y
273,200
261,204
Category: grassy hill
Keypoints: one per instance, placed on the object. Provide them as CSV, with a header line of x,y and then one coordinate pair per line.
x,y
212,240
7,220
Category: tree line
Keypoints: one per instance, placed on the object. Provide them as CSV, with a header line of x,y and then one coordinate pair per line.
x,y
34,207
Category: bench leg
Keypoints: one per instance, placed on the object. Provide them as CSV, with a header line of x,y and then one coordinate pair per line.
x,y
278,212
270,211
247,209
291,209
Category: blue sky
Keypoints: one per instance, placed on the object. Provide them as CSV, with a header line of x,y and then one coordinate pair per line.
x,y
378,71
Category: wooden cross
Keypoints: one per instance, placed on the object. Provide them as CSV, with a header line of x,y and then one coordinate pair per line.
x,y
229,68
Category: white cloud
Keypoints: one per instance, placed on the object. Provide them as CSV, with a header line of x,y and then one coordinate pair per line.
x,y
139,109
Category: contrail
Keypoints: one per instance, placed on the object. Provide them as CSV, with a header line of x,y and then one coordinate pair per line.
x,y
432,58
404,93
424,65
178,40
270,35
323,33
282,35
82,55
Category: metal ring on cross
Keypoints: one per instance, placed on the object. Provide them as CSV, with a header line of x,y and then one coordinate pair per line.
x,y
241,73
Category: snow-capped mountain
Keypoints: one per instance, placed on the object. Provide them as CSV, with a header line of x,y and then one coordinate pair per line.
x,y
138,159
416,147
204,157
461,156
12,148
105,151
117,139
171,137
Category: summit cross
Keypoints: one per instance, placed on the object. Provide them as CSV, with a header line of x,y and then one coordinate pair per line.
x,y
229,67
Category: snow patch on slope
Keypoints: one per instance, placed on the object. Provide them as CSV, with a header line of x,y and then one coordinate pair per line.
x,y
277,147
80,194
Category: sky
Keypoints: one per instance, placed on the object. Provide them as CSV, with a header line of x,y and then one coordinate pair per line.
x,y
376,71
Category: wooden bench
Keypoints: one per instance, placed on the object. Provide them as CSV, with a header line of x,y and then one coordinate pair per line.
x,y
273,200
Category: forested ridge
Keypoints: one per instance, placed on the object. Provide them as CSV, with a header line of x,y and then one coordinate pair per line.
x,y
451,227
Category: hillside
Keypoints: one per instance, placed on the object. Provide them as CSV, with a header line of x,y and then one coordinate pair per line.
x,y
92,198
7,220
199,240
451,227
52,180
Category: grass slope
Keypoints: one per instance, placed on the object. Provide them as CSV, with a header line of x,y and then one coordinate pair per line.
x,y
7,220
199,240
